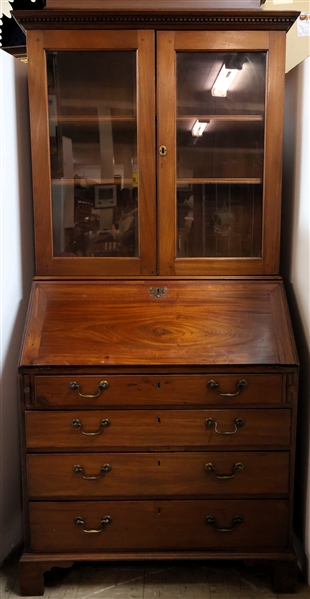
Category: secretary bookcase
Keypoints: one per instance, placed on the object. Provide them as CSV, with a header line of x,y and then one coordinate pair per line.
x,y
158,371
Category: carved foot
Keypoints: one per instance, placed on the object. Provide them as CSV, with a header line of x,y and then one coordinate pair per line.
x,y
31,575
285,576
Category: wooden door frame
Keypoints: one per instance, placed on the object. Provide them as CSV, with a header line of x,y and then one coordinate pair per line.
x,y
57,40
168,43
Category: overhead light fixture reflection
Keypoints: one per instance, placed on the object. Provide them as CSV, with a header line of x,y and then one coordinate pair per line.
x,y
223,82
198,128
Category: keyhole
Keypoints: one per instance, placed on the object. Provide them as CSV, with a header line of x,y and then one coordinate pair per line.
x,y
158,463
158,385
158,420
159,511
163,150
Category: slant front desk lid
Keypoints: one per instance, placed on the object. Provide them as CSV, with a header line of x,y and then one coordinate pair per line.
x,y
157,322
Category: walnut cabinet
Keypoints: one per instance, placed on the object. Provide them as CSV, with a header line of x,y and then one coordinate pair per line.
x,y
158,371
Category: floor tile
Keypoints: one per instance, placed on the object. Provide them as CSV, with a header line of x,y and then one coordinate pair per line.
x,y
182,581
154,580
111,581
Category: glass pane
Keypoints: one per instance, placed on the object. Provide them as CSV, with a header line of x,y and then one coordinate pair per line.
x,y
93,146
220,143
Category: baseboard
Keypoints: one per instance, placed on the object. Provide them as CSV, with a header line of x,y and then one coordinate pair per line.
x,y
302,558
16,552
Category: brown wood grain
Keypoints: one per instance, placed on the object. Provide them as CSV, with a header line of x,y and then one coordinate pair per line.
x,y
144,525
165,15
148,4
166,475
38,105
273,152
196,322
166,166
147,152
158,429
160,390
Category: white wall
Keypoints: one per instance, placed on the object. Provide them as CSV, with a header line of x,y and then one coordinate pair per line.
x,y
296,271
16,268
297,46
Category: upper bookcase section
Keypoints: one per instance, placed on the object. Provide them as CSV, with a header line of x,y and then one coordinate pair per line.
x,y
156,136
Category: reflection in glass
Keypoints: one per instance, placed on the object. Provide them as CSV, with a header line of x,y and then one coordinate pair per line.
x,y
220,142
219,220
93,148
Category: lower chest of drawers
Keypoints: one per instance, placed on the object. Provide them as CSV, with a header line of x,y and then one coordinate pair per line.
x,y
145,477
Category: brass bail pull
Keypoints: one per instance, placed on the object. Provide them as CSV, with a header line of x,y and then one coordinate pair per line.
x,y
236,520
236,468
76,423
242,384
103,385
77,469
238,423
105,521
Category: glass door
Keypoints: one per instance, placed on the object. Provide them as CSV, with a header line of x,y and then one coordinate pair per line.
x,y
102,212
216,164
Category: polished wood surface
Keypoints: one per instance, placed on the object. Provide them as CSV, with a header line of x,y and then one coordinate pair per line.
x,y
198,322
163,15
143,475
53,528
149,4
204,41
158,249
143,42
170,454
161,390
153,429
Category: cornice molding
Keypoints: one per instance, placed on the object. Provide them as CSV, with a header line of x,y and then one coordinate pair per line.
x,y
47,19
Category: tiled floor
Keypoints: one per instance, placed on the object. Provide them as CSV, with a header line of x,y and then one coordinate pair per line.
x,y
155,580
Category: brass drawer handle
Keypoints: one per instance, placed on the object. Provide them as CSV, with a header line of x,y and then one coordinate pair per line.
x,y
76,423
103,470
236,468
105,521
235,520
103,385
238,422
242,384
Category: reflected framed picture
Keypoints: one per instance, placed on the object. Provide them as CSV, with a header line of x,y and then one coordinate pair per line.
x,y
105,196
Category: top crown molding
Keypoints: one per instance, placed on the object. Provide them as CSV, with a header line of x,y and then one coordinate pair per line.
x,y
163,16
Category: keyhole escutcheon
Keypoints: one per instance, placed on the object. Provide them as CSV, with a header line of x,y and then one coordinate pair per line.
x,y
162,150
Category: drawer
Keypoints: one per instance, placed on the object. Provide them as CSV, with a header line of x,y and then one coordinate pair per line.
x,y
84,475
137,390
151,429
158,525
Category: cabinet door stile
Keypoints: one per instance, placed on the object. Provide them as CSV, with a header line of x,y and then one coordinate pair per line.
x,y
166,95
273,158
146,151
38,106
